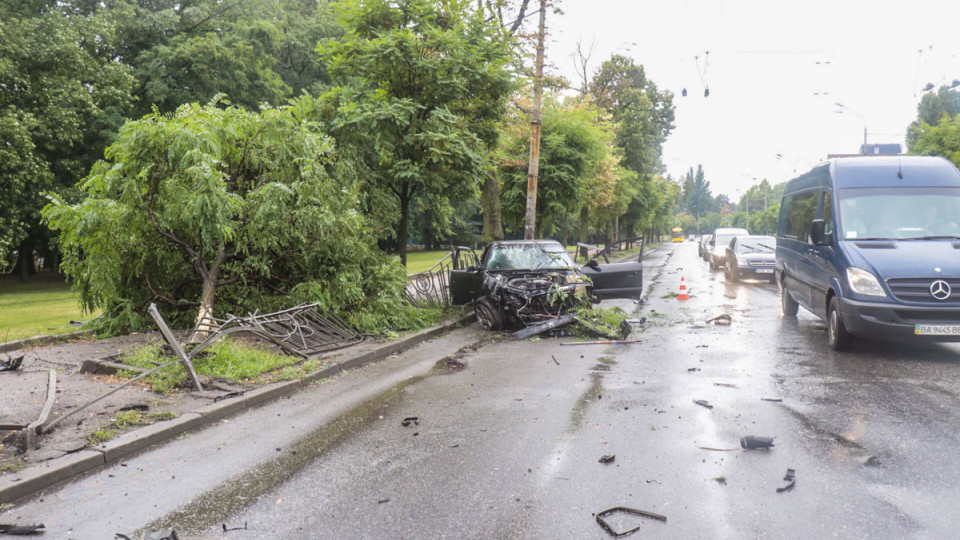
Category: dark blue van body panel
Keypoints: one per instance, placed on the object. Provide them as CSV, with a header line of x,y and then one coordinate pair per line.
x,y
908,270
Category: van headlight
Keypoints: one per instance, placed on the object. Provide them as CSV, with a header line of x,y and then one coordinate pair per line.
x,y
863,282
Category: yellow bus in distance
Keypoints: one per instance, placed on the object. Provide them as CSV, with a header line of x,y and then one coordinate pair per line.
x,y
677,233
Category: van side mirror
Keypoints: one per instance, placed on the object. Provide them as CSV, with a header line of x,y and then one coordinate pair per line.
x,y
817,235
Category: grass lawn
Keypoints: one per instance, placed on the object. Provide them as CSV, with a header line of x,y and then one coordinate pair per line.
x,y
44,305
421,261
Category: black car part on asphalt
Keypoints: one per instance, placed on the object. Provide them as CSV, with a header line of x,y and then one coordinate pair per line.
x,y
622,509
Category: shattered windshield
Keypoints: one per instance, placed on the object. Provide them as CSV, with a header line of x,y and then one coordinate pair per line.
x,y
529,256
759,244
899,213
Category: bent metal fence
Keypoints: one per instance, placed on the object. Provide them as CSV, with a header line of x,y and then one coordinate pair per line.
x,y
432,288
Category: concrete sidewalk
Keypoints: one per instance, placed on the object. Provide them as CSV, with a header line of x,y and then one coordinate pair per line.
x,y
14,486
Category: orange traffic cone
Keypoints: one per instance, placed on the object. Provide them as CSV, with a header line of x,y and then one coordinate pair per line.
x,y
682,295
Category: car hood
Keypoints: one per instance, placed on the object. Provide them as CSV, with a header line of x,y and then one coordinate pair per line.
x,y
758,257
906,258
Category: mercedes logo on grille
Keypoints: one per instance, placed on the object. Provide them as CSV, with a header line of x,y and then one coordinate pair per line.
x,y
940,289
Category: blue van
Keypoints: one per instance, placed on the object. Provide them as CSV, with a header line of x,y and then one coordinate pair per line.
x,y
871,245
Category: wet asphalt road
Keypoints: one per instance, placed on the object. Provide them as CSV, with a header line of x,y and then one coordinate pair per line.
x,y
509,438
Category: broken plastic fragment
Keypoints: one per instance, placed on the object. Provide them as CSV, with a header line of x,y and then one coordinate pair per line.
x,y
11,365
703,403
607,459
625,510
24,530
411,421
721,320
751,442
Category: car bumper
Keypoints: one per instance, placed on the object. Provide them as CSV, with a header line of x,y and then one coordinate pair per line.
x,y
749,272
880,320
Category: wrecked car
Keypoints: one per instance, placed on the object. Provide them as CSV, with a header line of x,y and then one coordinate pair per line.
x,y
522,283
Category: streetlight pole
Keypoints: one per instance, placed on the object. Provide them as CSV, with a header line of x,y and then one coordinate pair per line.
x,y
845,109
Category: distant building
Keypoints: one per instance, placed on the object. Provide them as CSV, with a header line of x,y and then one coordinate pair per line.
x,y
873,150
880,150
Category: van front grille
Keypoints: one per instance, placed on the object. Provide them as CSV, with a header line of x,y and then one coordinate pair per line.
x,y
918,291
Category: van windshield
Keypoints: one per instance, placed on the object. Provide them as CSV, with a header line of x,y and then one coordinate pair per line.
x,y
906,213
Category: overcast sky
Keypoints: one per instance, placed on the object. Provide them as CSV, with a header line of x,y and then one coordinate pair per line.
x,y
775,70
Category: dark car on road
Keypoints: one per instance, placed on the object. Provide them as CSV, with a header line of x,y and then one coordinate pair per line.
x,y
717,247
703,247
750,257
525,282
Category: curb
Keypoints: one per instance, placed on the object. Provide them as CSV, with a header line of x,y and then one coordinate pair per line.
x,y
35,341
45,474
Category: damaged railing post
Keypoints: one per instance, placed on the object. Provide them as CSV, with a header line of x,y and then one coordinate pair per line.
x,y
175,345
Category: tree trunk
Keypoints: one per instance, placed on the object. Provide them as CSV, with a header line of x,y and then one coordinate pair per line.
x,y
404,223
25,264
204,325
492,223
584,229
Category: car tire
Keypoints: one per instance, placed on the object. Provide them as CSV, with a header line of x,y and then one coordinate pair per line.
x,y
837,334
487,315
788,306
713,265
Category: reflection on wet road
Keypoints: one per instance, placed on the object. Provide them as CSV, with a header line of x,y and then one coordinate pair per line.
x,y
508,444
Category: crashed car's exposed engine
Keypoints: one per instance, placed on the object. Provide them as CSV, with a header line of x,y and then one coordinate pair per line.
x,y
532,297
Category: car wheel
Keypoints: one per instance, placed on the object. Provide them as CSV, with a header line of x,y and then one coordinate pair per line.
x,y
733,274
487,315
788,306
837,333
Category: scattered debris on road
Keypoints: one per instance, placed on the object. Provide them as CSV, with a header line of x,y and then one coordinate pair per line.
x,y
13,364
752,442
703,403
536,329
789,477
225,529
718,449
555,360
21,530
722,480
229,395
607,459
725,385
721,320
162,534
691,370
607,342
622,509
775,400
411,421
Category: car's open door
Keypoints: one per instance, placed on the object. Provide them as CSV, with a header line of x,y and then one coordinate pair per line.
x,y
465,277
620,278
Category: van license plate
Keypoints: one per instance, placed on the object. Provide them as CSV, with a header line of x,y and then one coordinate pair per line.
x,y
764,270
936,330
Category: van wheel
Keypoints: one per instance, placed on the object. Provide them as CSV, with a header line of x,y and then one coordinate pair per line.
x,y
487,315
837,334
788,306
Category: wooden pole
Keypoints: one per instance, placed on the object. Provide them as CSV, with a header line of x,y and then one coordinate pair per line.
x,y
533,173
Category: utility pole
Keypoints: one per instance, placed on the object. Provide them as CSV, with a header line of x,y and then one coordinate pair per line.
x,y
533,172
